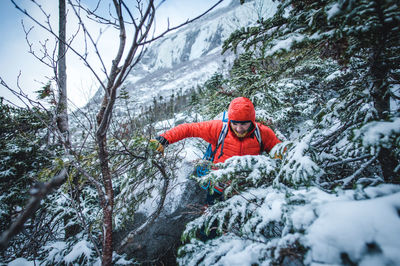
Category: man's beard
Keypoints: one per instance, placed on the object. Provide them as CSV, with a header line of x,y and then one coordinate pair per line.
x,y
242,135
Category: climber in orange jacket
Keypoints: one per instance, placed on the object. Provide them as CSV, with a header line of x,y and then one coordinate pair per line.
x,y
240,138
243,136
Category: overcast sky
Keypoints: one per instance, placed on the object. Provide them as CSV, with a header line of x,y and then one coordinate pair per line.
x,y
16,60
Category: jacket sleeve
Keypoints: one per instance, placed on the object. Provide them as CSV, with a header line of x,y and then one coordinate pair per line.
x,y
268,137
208,131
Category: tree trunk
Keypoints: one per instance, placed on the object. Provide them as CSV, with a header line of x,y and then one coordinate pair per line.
x,y
62,104
107,202
379,72
62,112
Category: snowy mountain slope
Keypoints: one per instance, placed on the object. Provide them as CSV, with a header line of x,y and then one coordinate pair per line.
x,y
197,39
192,54
164,81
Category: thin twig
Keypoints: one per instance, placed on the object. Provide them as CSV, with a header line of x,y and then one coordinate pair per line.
x,y
349,160
348,179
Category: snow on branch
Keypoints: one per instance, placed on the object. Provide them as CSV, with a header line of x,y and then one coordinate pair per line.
x,y
298,166
379,133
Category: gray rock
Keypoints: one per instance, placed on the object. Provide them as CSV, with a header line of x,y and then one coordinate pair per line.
x,y
158,245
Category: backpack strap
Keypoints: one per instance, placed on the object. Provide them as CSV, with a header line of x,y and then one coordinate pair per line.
x,y
221,138
258,136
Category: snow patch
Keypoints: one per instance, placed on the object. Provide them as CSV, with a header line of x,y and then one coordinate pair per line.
x,y
333,11
356,228
83,247
21,262
285,45
378,133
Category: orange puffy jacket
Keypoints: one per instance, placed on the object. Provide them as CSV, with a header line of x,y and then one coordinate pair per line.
x,y
240,109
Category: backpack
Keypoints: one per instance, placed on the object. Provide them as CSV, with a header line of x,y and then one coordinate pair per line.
x,y
202,170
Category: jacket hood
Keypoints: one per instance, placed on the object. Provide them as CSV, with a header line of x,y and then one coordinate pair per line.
x,y
241,109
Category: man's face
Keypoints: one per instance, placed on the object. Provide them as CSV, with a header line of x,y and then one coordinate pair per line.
x,y
240,129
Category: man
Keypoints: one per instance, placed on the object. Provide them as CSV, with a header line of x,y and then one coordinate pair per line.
x,y
240,139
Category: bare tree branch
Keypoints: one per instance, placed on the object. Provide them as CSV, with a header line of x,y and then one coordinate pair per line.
x,y
56,36
41,191
24,98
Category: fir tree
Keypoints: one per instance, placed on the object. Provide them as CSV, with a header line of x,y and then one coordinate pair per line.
x,y
362,36
323,73
24,153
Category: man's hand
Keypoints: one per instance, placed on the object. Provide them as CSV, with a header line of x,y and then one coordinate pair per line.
x,y
158,144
